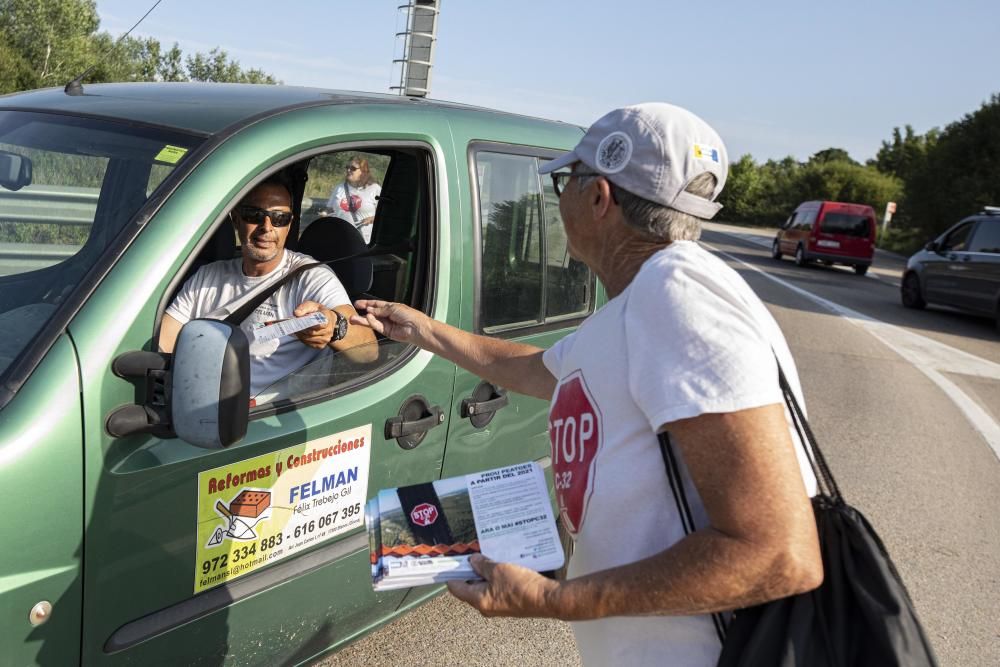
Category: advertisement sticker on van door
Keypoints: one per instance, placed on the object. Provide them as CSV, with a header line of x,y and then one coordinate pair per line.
x,y
258,511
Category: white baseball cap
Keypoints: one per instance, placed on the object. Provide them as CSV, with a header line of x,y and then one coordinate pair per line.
x,y
653,150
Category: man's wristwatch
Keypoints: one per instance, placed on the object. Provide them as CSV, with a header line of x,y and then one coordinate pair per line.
x,y
340,329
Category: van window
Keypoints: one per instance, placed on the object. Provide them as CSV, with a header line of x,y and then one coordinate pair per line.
x,y
89,178
958,239
568,282
986,238
806,219
527,277
846,224
330,234
329,184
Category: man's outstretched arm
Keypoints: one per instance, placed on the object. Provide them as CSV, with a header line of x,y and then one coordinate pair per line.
x,y
511,365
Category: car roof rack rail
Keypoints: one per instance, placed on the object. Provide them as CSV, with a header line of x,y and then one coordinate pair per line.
x,y
991,210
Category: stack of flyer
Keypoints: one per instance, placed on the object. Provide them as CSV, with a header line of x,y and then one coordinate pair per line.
x,y
425,533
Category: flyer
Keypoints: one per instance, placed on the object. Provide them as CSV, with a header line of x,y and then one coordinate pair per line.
x,y
425,533
287,327
260,510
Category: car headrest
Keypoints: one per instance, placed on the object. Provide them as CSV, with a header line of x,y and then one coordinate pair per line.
x,y
331,238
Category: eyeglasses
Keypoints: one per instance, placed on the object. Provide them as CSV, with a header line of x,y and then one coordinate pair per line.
x,y
561,178
352,167
256,216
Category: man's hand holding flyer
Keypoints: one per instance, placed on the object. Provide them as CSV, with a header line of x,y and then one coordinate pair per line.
x,y
425,534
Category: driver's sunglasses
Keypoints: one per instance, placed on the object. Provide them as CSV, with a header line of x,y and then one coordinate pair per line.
x,y
352,167
561,178
256,216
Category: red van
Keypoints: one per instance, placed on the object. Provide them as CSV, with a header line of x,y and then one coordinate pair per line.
x,y
831,232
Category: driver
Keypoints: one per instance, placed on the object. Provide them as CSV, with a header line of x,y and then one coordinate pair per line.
x,y
262,220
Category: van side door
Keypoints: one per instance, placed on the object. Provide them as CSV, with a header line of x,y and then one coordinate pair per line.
x,y
257,554
982,279
524,286
946,272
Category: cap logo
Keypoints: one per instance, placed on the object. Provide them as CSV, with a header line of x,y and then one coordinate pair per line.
x,y
613,152
703,152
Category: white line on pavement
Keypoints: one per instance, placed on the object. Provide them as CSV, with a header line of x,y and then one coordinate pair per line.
x,y
927,355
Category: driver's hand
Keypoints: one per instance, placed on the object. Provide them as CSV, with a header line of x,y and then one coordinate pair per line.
x,y
318,336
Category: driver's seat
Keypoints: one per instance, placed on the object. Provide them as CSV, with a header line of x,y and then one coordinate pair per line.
x,y
331,238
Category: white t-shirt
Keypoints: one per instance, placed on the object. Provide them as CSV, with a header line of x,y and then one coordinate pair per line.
x,y
220,283
365,200
688,336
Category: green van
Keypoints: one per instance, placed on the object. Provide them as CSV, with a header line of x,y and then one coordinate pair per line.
x,y
242,541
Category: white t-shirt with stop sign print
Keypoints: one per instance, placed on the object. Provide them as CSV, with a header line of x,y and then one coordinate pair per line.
x,y
688,336
364,201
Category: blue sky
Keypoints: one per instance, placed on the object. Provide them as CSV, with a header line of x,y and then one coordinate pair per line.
x,y
775,78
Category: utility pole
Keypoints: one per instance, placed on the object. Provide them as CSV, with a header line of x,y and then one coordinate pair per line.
x,y
416,48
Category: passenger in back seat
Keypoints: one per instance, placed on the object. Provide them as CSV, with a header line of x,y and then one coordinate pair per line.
x,y
356,197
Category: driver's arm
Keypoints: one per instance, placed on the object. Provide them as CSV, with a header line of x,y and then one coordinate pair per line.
x,y
169,328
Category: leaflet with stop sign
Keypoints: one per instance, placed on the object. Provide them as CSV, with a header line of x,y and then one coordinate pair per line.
x,y
425,533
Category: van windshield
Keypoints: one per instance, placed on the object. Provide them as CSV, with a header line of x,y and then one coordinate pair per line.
x,y
68,185
846,224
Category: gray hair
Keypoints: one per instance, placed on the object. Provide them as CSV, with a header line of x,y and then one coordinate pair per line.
x,y
661,222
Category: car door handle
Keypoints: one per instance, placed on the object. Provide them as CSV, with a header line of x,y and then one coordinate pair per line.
x,y
486,399
416,417
471,407
397,427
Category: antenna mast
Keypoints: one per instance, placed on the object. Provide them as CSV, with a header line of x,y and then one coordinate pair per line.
x,y
417,46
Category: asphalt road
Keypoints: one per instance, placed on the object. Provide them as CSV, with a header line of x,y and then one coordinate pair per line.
x,y
906,405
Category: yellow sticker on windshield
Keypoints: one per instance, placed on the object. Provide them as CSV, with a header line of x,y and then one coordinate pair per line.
x,y
170,154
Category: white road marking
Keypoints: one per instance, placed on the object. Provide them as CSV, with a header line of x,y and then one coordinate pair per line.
x,y
929,356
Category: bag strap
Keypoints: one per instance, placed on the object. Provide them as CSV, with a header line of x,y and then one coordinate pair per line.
x,y
350,202
684,509
824,477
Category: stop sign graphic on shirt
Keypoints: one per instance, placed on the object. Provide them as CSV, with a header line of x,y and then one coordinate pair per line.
x,y
346,205
575,433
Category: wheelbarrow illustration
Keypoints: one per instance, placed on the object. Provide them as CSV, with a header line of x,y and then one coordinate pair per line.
x,y
243,513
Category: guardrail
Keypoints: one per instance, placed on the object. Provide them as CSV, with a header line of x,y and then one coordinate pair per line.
x,y
49,204
42,204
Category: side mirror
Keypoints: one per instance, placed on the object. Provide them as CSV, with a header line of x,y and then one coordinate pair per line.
x,y
15,171
931,246
210,384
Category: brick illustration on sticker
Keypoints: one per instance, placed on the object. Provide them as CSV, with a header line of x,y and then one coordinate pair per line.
x,y
245,511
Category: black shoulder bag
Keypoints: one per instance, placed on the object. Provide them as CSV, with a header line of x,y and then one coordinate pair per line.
x,y
861,614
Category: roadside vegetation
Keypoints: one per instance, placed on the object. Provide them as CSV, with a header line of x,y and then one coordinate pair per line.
x,y
46,43
935,179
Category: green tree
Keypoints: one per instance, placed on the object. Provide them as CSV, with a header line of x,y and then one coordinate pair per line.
x,y
742,194
52,37
848,182
832,155
960,175
16,73
906,153
767,193
49,42
216,66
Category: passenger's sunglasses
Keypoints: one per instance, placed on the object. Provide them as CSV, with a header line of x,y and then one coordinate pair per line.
x,y
351,167
256,216
561,178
